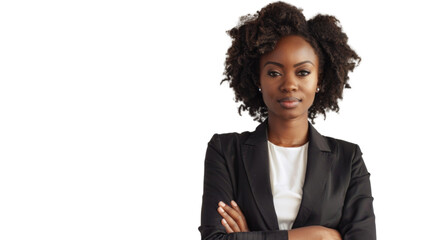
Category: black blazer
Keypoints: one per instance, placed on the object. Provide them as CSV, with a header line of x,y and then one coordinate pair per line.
x,y
336,191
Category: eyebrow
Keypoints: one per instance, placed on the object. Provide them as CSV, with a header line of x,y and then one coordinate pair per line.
x,y
281,65
298,64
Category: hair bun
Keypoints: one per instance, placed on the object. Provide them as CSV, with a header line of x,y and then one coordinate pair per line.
x,y
327,28
332,41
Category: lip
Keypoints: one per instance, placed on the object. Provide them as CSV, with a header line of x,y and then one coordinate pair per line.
x,y
289,99
289,102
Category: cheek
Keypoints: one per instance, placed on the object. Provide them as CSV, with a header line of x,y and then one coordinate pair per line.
x,y
268,96
310,88
311,84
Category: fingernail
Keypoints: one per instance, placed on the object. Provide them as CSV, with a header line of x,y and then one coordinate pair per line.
x,y
221,210
222,204
234,203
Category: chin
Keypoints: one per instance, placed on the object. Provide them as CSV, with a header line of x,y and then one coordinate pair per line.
x,y
289,116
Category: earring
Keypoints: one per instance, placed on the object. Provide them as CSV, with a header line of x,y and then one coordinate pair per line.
x,y
317,90
259,89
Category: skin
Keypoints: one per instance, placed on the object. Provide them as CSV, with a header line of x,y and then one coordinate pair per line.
x,y
290,70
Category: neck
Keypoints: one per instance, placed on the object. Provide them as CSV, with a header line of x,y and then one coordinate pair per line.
x,y
288,133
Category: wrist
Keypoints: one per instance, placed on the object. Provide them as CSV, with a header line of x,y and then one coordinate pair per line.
x,y
308,233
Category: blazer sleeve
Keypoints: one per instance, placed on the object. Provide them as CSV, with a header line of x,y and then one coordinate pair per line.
x,y
358,220
218,187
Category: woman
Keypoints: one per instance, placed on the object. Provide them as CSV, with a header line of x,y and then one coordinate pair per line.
x,y
285,180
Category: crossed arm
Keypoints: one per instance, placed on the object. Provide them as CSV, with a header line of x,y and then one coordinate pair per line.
x,y
228,222
234,221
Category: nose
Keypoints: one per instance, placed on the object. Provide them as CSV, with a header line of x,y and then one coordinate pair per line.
x,y
289,83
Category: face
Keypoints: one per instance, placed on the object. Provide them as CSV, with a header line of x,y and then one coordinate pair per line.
x,y
288,78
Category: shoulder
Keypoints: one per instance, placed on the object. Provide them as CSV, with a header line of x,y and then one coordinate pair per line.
x,y
341,144
229,139
344,149
332,145
226,147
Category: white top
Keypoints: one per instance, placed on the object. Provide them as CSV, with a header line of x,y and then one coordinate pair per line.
x,y
287,174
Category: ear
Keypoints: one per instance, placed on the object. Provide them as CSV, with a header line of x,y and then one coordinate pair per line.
x,y
258,87
319,83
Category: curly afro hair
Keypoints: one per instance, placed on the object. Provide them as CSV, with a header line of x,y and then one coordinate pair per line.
x,y
258,34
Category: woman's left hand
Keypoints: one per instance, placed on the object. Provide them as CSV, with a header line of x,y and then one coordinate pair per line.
x,y
233,219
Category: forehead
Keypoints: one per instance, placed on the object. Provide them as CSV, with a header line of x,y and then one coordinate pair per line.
x,y
290,50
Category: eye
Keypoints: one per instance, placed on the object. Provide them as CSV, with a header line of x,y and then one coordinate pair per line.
x,y
303,73
273,74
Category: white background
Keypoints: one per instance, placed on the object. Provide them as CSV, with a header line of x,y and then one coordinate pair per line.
x,y
106,108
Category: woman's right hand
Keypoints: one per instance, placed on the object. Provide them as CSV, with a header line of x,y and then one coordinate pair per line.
x,y
233,219
314,233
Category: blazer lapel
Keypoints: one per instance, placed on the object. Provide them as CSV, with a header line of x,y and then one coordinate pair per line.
x,y
318,168
255,160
